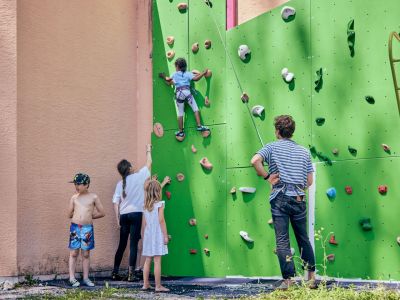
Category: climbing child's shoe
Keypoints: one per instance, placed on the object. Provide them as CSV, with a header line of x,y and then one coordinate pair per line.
x,y
74,283
202,128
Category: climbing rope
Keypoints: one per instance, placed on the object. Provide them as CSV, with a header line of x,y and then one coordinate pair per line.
x,y
392,62
208,3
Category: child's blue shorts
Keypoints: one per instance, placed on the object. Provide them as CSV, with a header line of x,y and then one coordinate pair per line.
x,y
81,237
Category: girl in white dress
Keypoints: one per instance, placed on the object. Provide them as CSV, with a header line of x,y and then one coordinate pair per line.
x,y
154,233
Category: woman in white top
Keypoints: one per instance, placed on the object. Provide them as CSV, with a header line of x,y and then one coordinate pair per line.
x,y
128,206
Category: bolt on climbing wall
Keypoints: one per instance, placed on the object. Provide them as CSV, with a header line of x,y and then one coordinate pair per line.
x,y
327,66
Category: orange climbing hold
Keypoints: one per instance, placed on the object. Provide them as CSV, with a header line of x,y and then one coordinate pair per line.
x,y
195,47
170,54
170,40
332,240
205,163
206,236
158,130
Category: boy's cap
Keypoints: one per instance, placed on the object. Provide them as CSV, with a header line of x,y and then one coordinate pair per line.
x,y
81,178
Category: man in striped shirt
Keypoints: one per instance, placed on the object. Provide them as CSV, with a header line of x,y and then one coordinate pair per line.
x,y
290,173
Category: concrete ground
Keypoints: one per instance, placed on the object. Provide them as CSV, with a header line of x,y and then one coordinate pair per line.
x,y
181,288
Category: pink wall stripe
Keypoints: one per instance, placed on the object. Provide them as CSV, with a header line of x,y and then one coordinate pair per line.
x,y
231,14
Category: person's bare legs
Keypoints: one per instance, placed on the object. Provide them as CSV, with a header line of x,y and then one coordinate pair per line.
x,y
180,123
140,259
146,272
197,116
73,255
85,263
157,274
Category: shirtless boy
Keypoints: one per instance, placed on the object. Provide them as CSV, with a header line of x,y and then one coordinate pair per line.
x,y
82,212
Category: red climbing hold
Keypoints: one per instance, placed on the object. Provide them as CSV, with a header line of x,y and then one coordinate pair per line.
x,y
180,177
158,130
332,240
205,163
385,147
348,189
330,257
168,194
193,251
192,222
182,6
382,189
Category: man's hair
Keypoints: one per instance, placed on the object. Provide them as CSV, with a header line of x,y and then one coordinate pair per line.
x,y
285,126
181,64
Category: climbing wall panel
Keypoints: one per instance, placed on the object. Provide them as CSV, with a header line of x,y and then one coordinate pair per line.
x,y
201,196
366,254
201,28
275,44
167,21
350,119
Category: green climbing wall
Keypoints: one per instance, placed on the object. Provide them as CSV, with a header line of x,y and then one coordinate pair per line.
x,y
316,38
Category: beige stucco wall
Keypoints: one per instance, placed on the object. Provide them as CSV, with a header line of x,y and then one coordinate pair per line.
x,y
78,86
248,9
8,138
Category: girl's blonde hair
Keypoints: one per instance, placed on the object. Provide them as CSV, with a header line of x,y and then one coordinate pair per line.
x,y
152,194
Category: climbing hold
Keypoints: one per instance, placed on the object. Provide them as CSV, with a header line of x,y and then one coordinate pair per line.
x,y
330,257
243,51
331,193
194,150
180,177
246,236
195,47
286,75
193,251
320,121
206,101
180,138
205,163
370,99
207,44
245,98
182,6
233,190
170,40
348,189
318,82
351,36
206,133
366,224
206,251
192,222
170,54
257,110
169,237
287,12
335,151
168,194
332,240
206,236
398,240
352,150
382,189
158,130
270,221
249,190
208,3
208,73
385,148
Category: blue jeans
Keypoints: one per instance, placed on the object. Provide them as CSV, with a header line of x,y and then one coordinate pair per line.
x,y
284,209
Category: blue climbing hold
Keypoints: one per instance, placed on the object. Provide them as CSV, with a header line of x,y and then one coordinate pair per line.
x,y
331,193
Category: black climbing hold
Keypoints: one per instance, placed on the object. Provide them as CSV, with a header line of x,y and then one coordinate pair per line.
x,y
318,82
352,150
370,99
351,36
366,224
320,121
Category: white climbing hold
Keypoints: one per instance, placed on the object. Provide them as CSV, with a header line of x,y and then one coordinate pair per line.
x,y
246,236
286,75
250,190
257,110
287,12
292,251
243,51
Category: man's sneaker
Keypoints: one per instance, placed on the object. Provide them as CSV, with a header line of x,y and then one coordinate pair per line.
x,y
179,134
88,282
285,284
312,284
202,128
139,273
74,283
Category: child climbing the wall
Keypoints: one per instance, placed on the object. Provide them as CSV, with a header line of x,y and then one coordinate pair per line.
x,y
154,233
83,208
181,79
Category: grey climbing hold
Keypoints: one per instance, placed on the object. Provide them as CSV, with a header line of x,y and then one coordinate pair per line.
x,y
257,110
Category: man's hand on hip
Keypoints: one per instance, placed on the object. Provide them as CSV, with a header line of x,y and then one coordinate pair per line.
x,y
274,178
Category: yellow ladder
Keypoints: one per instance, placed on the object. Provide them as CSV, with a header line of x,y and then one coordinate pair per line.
x,y
392,62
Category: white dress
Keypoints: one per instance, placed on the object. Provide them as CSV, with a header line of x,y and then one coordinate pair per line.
x,y
153,239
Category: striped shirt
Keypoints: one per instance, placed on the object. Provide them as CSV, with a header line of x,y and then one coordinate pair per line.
x,y
292,162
